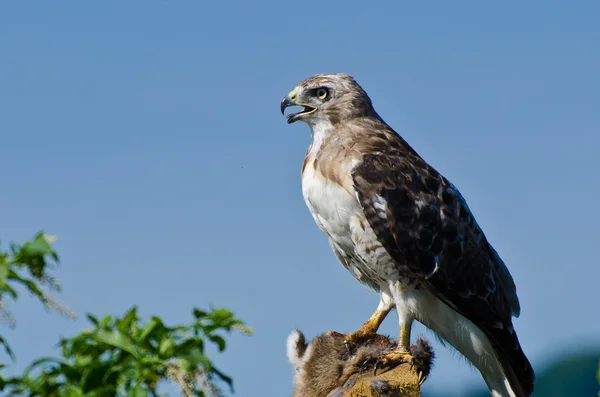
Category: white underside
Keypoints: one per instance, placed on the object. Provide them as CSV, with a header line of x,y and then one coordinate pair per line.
x,y
338,214
451,327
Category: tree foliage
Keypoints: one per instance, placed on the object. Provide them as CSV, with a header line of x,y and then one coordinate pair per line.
x,y
123,356
115,356
28,266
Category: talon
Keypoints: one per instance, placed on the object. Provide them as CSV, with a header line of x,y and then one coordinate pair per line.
x,y
347,346
391,360
421,378
350,340
364,365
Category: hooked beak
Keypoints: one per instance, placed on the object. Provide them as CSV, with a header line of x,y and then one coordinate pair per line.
x,y
290,100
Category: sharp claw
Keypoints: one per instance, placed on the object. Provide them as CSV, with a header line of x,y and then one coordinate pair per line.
x,y
347,345
363,365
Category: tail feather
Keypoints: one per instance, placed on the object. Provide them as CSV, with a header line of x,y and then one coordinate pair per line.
x,y
515,365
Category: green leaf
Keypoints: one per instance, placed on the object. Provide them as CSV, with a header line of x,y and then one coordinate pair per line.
x,y
31,285
221,316
3,274
41,361
187,345
224,378
218,340
198,314
149,327
129,318
7,348
9,290
40,245
106,321
116,339
73,391
109,390
197,358
137,391
92,319
84,360
166,348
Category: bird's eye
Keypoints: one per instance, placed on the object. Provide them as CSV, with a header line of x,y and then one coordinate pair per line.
x,y
321,93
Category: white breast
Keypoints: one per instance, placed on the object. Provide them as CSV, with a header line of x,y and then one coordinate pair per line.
x,y
338,214
332,207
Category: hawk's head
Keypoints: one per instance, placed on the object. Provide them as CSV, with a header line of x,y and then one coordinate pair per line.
x,y
328,97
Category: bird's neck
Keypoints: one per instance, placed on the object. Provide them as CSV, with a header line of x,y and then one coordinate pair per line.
x,y
320,131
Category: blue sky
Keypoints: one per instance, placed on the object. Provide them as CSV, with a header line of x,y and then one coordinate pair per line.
x,y
147,136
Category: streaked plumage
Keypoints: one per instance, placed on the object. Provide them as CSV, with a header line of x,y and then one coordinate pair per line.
x,y
403,229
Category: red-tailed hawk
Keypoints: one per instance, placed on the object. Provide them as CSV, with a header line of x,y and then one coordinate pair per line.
x,y
400,227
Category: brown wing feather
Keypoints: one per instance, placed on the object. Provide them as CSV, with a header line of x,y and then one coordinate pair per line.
x,y
427,227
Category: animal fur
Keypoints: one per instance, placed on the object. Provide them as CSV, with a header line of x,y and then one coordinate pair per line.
x,y
324,367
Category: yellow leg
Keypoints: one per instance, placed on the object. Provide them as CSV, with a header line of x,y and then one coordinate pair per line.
x,y
404,341
369,328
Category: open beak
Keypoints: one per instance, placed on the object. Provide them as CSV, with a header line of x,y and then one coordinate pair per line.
x,y
290,100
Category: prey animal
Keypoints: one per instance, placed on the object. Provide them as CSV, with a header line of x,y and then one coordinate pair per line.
x,y
400,227
325,367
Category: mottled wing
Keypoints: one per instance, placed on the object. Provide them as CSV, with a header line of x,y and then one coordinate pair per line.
x,y
424,223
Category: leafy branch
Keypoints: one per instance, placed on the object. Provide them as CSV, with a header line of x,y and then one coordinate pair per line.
x,y
115,356
123,356
28,266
